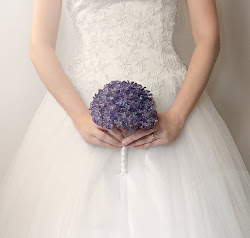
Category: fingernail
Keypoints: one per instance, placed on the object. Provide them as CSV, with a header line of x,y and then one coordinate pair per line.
x,y
124,142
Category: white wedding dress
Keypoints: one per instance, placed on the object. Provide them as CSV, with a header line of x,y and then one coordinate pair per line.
x,y
59,186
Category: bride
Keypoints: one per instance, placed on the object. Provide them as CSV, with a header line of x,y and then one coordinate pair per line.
x,y
186,177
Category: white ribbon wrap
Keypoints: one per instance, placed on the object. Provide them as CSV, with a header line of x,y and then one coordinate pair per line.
x,y
123,192
124,160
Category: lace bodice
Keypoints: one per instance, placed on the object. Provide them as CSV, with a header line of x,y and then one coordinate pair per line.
x,y
124,40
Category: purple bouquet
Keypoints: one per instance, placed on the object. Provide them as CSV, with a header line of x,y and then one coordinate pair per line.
x,y
124,104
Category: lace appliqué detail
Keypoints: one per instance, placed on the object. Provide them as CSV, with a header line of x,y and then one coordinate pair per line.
x,y
125,40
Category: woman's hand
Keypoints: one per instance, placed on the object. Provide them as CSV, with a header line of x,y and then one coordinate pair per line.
x,y
94,134
166,130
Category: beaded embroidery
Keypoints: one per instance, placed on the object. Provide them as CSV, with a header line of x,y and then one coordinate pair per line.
x,y
125,40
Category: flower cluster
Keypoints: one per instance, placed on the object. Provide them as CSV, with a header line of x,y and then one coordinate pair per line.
x,y
124,104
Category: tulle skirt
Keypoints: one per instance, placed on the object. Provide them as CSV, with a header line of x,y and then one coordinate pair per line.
x,y
59,186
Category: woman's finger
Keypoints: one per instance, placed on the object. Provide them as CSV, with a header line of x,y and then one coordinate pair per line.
x,y
116,133
145,139
123,130
137,135
106,137
150,144
96,141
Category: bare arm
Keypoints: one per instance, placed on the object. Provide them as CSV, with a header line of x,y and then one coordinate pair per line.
x,y
45,22
205,30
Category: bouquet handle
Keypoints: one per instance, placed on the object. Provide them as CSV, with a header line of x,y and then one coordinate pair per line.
x,y
124,159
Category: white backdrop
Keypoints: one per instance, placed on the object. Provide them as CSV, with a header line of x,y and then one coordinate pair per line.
x,y
21,90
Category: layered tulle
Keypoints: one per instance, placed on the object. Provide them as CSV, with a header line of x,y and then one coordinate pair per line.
x,y
59,186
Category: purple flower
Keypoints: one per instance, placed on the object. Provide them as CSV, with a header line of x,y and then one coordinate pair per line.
x,y
124,104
